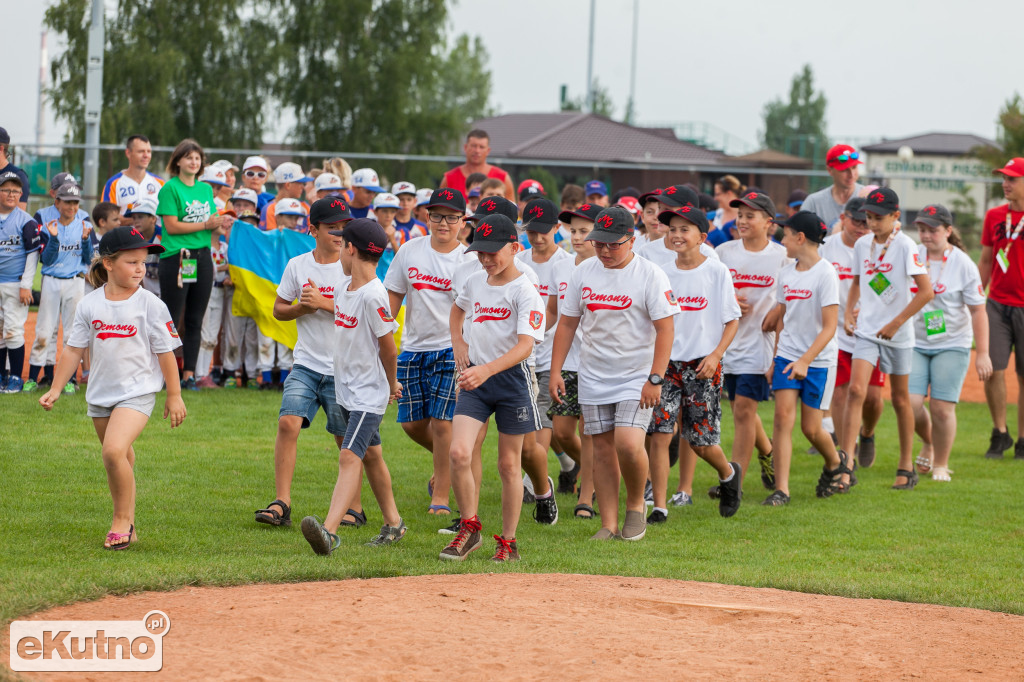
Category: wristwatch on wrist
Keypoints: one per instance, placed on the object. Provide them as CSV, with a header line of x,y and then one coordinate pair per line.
x,y
656,380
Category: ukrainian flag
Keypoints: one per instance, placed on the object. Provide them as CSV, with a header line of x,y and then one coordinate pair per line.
x,y
256,262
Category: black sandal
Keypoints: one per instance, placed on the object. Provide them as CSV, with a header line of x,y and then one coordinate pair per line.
x,y
360,519
272,517
831,480
911,477
584,508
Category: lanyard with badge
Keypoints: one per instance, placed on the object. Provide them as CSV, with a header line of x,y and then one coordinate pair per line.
x,y
880,284
1003,254
935,320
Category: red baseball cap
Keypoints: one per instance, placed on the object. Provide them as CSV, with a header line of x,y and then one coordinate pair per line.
x,y
631,204
842,156
1014,168
529,183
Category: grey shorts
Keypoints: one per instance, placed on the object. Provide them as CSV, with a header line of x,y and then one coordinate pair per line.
x,y
540,385
362,431
142,403
598,419
1005,333
898,361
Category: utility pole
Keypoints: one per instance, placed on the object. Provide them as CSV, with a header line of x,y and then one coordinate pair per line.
x,y
590,61
44,62
630,108
93,100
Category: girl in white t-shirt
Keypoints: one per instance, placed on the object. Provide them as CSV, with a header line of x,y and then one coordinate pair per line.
x,y
131,340
887,264
805,366
943,335
755,262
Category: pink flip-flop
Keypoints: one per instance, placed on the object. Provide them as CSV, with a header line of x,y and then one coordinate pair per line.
x,y
113,538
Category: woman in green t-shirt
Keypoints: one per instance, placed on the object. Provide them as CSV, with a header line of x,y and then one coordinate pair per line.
x,y
186,266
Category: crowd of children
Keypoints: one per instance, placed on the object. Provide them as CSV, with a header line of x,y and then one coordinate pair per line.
x,y
604,332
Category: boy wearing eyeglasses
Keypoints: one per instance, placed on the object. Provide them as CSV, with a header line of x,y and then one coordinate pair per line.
x,y
421,277
625,308
841,161
254,176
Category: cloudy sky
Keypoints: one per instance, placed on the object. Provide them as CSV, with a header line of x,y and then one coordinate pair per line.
x,y
888,69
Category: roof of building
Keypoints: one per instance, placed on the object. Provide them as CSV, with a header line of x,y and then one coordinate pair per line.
x,y
771,158
579,136
945,144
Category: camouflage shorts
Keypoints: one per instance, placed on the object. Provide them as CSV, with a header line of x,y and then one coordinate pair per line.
x,y
697,403
570,406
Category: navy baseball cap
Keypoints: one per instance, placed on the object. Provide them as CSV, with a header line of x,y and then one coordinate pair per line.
x,y
807,222
585,211
365,234
540,215
882,201
60,178
447,198
676,196
691,214
496,205
611,225
493,233
595,187
125,239
4,137
329,211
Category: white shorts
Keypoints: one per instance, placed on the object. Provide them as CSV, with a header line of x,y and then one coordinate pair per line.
x,y
12,316
898,361
141,403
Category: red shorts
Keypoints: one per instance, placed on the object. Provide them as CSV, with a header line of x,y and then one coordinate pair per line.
x,y
843,371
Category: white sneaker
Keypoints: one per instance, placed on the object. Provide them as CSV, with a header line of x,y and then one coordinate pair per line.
x,y
681,499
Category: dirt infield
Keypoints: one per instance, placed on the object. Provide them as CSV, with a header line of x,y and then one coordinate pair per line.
x,y
519,626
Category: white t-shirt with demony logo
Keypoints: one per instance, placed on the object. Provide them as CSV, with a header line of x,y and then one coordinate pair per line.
x,y
957,285
755,277
836,252
899,266
706,303
314,347
617,310
544,271
805,293
361,317
499,315
425,277
123,338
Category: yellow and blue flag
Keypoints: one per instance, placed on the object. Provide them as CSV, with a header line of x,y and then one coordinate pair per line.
x,y
256,262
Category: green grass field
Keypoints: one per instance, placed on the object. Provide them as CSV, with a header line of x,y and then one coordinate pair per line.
x,y
958,543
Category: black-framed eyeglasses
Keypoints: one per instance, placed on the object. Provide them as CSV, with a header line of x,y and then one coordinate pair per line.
x,y
451,219
11,192
611,246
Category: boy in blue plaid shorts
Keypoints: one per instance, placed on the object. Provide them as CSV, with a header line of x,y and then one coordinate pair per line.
x,y
421,275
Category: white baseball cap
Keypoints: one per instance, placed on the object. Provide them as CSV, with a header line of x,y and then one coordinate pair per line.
x,y
255,162
386,200
214,176
245,194
403,188
367,179
423,196
289,207
225,165
327,181
145,205
289,172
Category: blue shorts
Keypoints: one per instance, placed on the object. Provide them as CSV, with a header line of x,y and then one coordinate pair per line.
x,y
428,385
509,397
943,370
363,431
305,391
753,386
815,389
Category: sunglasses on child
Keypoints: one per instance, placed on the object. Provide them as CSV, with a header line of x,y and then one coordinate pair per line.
x,y
255,174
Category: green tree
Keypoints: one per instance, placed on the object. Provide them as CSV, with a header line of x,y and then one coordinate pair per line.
x,y
965,209
378,76
797,126
1010,138
603,103
172,69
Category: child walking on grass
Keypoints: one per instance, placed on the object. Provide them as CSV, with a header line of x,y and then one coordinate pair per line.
x,y
131,340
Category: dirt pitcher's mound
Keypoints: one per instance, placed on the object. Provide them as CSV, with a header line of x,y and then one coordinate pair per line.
x,y
579,627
